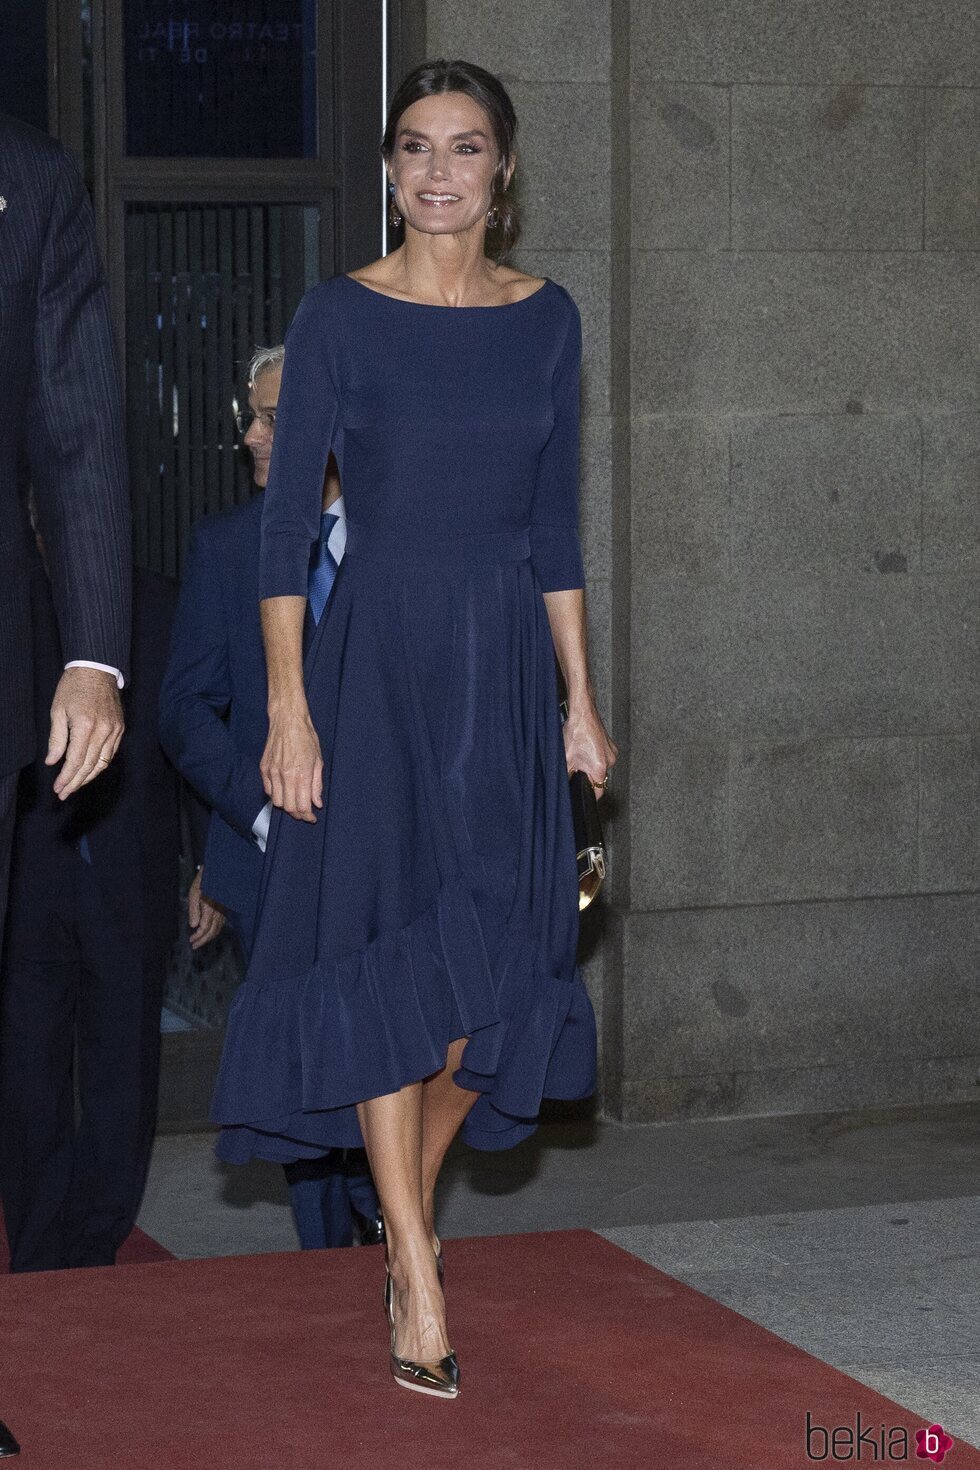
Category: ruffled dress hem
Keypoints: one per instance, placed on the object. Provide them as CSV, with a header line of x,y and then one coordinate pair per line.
x,y
385,1016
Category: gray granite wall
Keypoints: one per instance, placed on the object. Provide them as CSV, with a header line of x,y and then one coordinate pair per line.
x,y
803,924
770,214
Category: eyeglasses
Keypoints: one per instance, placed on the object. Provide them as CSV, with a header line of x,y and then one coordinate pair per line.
x,y
245,418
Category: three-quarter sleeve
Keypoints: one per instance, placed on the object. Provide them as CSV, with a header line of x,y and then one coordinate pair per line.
x,y
555,550
306,424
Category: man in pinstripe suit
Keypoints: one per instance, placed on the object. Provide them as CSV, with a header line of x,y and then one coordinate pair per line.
x,y
62,424
62,416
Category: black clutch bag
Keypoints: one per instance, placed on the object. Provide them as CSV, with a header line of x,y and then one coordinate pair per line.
x,y
590,850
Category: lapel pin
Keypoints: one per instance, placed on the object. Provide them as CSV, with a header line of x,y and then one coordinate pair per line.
x,y
3,204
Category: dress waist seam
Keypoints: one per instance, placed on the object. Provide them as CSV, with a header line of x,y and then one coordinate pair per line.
x,y
459,548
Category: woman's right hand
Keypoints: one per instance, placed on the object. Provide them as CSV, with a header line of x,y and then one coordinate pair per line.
x,y
292,766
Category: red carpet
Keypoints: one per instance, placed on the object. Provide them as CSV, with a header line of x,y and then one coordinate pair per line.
x,y
136,1251
574,1354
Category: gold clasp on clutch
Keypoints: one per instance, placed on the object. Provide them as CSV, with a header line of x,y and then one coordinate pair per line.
x,y
591,872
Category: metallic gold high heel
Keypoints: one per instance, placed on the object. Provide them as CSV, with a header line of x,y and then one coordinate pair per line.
x,y
440,1378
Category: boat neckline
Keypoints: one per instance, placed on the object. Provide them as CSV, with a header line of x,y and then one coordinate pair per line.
x,y
444,306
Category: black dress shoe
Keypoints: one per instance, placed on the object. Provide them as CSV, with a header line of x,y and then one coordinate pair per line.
x,y
371,1230
8,1445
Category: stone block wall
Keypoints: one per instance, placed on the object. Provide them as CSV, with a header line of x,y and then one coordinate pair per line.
x,y
803,928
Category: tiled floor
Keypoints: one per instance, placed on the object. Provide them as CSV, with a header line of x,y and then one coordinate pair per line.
x,y
856,1236
889,1293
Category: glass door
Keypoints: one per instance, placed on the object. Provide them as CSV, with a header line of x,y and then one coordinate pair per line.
x,y
235,164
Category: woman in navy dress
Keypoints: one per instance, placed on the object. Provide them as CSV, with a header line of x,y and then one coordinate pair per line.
x,y
414,966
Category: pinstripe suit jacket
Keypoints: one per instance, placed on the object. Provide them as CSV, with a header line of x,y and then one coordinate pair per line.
x,y
61,426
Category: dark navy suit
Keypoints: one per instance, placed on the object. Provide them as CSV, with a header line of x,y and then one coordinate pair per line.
x,y
92,920
213,724
213,718
62,413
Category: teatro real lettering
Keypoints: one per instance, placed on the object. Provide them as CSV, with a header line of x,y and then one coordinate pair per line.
x,y
179,34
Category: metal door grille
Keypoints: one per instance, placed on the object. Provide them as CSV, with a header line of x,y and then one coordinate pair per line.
x,y
205,284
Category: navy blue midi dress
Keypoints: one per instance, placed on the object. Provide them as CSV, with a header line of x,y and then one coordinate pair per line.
x,y
436,896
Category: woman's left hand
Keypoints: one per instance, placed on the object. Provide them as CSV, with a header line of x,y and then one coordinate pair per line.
x,y
587,746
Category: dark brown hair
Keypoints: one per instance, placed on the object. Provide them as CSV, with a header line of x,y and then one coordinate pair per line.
x,y
435,77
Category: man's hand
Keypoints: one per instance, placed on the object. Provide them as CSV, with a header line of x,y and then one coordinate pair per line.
x,y
206,919
86,727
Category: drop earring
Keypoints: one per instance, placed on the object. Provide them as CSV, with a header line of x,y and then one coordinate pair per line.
x,y
394,218
493,217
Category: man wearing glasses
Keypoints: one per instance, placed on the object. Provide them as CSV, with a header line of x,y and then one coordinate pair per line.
x,y
214,723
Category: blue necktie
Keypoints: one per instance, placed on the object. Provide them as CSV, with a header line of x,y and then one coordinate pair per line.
x,y
323,568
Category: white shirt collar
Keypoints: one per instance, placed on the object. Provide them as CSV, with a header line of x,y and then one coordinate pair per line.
x,y
337,540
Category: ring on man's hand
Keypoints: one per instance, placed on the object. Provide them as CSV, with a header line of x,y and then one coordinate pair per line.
x,y
101,761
